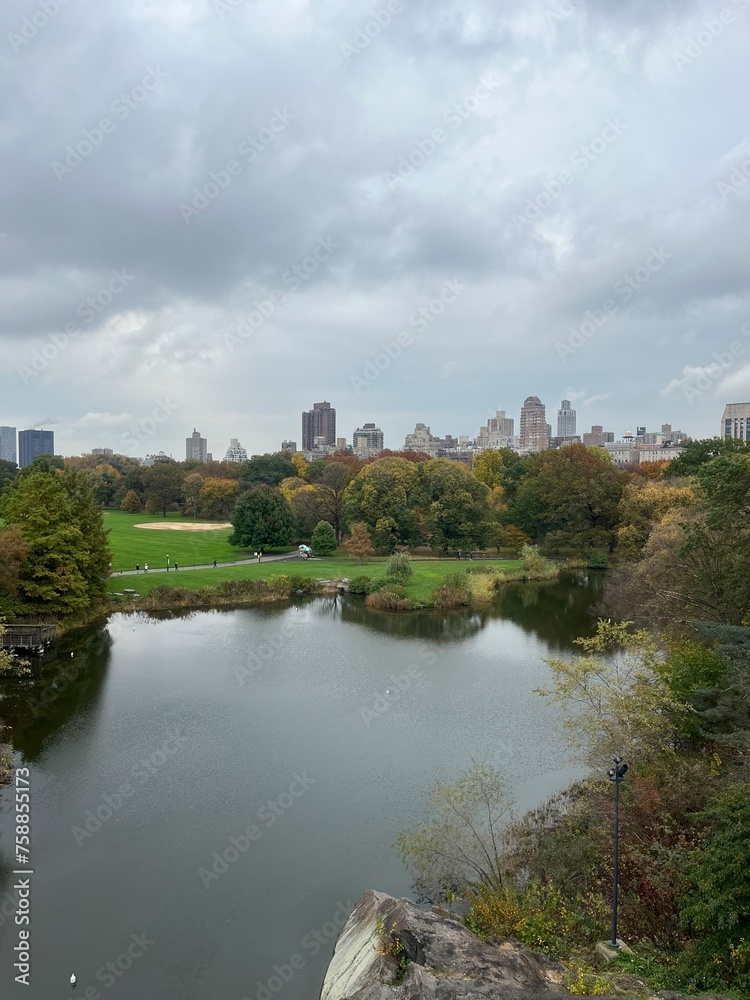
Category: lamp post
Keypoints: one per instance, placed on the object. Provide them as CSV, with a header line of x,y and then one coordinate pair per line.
x,y
616,774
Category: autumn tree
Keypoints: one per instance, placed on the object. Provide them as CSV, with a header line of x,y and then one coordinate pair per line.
x,y
131,503
192,485
453,505
217,497
641,508
489,468
358,543
300,463
163,485
383,496
13,551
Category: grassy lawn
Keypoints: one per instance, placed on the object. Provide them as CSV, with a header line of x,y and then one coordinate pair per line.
x,y
426,576
131,545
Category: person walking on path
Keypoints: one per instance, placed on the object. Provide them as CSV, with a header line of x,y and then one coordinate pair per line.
x,y
137,567
214,564
145,567
176,565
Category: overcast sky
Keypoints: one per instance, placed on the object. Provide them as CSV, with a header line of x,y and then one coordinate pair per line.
x,y
561,188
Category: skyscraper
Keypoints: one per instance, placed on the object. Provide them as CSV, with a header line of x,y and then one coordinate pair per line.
x,y
533,435
235,452
367,440
8,450
566,420
499,432
319,422
196,448
735,421
32,444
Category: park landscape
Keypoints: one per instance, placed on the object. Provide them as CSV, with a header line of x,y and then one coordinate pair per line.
x,y
660,679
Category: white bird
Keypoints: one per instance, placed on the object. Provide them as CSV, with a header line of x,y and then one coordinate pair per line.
x,y
71,654
73,979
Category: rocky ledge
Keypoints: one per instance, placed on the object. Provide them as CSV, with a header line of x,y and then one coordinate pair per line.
x,y
437,959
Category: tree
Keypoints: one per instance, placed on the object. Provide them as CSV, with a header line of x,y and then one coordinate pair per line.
x,y
94,557
453,504
163,485
217,497
191,491
641,508
323,539
489,468
106,480
324,499
573,492
13,551
50,579
300,463
383,496
358,543
614,697
8,472
131,503
262,519
699,453
268,469
459,845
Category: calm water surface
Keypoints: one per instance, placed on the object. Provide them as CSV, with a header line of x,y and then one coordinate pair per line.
x,y
297,742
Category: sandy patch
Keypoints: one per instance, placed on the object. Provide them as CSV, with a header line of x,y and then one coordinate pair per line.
x,y
183,526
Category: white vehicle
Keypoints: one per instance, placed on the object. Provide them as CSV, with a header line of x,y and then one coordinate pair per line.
x,y
305,551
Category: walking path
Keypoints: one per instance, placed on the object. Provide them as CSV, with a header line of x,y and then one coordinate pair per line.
x,y
279,557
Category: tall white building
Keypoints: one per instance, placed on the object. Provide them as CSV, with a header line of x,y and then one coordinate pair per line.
x,y
534,429
735,423
566,420
8,450
422,439
499,432
235,452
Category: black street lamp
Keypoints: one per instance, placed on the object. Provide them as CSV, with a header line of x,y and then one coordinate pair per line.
x,y
616,774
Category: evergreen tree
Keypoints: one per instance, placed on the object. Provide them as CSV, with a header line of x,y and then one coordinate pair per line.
x,y
323,539
262,518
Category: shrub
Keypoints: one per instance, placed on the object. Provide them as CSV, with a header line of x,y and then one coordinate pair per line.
x,y
399,566
482,569
453,593
534,566
390,598
597,559
361,585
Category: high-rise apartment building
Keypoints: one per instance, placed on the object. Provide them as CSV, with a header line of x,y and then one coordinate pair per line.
x,y
533,435
32,444
367,441
498,433
8,450
597,437
422,439
319,422
290,446
566,420
235,452
735,423
196,448
102,452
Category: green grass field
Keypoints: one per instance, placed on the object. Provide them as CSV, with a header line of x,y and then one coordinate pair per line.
x,y
427,575
131,545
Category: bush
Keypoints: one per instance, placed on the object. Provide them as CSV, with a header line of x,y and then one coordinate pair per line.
x,y
361,585
399,566
597,559
390,598
534,566
484,568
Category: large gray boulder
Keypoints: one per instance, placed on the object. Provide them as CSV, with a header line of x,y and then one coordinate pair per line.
x,y
445,960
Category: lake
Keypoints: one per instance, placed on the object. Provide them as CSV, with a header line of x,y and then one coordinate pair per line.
x,y
212,793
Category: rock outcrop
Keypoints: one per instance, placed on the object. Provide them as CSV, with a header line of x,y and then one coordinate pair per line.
x,y
437,959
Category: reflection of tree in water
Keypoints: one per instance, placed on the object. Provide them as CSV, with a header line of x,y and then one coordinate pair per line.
x,y
444,626
556,612
60,685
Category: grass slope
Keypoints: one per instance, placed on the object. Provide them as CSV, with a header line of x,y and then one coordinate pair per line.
x,y
426,576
